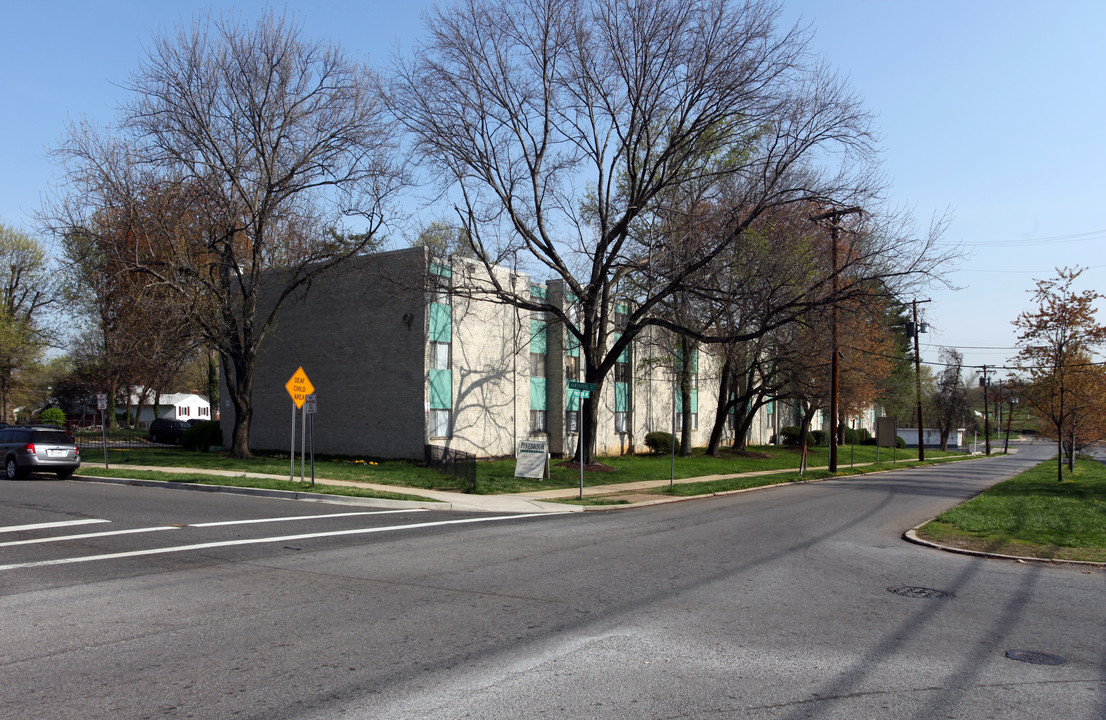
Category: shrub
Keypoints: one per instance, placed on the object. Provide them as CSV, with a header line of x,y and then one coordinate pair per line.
x,y
850,436
659,442
790,436
864,434
202,435
52,416
820,437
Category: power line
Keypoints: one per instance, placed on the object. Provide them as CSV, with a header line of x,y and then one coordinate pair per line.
x,y
1051,240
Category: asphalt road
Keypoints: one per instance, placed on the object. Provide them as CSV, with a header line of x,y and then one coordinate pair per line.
x,y
771,604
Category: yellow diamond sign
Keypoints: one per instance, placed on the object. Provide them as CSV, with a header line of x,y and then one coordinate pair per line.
x,y
299,387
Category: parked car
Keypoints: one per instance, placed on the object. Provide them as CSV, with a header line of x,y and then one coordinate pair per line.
x,y
167,431
38,448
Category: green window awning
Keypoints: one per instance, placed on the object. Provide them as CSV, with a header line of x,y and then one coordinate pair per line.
x,y
441,323
441,389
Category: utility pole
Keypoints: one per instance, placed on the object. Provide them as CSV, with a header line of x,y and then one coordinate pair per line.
x,y
835,370
918,381
986,415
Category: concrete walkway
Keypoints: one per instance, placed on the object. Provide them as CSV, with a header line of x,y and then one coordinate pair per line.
x,y
527,502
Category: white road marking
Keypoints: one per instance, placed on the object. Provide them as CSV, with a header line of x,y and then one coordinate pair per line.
x,y
85,536
302,517
43,526
256,541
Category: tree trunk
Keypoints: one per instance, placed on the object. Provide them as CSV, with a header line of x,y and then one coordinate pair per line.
x,y
240,389
686,368
213,382
724,404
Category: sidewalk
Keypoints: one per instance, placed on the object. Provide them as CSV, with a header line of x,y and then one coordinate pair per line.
x,y
527,502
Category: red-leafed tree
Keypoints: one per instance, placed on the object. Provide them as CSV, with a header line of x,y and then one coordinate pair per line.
x,y
1056,344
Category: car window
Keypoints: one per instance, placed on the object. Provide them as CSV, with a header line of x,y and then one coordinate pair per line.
x,y
56,437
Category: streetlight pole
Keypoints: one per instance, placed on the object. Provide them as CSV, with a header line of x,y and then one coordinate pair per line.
x,y
835,369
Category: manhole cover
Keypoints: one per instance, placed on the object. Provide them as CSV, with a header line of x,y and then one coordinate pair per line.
x,y
1035,658
919,592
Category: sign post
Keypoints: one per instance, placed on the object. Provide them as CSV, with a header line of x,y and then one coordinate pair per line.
x,y
310,407
298,387
102,404
583,390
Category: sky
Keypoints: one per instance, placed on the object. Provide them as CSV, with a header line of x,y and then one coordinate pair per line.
x,y
990,113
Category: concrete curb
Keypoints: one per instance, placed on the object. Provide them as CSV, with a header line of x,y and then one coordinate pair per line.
x,y
278,494
911,535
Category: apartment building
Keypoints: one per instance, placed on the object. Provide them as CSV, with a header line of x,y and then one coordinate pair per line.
x,y
402,355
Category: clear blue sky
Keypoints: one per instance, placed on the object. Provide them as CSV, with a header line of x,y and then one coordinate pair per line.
x,y
994,111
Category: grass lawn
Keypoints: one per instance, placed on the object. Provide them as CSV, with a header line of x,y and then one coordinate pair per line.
x,y
1033,515
241,481
497,476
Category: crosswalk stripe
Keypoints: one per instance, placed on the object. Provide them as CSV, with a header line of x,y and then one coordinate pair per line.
x,y
256,541
46,525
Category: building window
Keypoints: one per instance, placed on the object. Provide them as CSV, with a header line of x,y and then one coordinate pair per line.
x,y
439,355
572,367
622,422
537,365
441,281
622,368
538,421
694,421
572,422
439,423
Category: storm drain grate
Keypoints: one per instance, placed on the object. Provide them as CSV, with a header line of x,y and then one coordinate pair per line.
x,y
1035,658
919,592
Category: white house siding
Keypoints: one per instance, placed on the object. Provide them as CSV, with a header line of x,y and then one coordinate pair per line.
x,y
177,406
490,370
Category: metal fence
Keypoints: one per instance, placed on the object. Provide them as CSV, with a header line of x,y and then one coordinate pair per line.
x,y
457,463
93,437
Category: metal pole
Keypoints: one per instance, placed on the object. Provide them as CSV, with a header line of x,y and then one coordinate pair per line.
x,y
303,442
672,449
580,455
312,449
104,431
292,452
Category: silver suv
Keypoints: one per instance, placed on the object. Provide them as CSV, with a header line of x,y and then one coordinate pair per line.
x,y
39,448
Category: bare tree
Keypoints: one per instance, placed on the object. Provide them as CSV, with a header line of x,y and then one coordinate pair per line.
x,y
262,140
563,126
949,404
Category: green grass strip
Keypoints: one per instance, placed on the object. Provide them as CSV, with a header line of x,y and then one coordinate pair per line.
x,y
247,482
1033,515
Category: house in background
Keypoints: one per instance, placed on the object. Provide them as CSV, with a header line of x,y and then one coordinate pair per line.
x,y
175,406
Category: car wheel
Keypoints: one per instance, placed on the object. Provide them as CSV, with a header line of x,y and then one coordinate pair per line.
x,y
11,469
65,474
